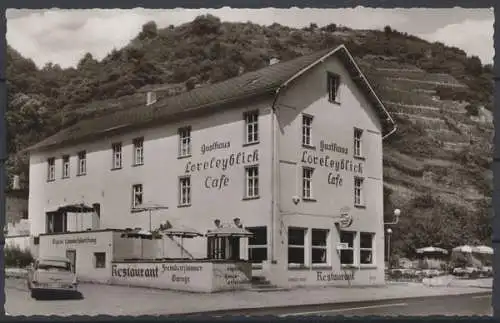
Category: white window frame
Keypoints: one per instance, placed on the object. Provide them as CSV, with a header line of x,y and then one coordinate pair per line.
x,y
352,249
137,191
251,127
138,151
358,142
307,121
184,142
51,169
252,182
307,186
185,191
358,191
333,84
303,247
251,246
325,247
372,249
117,161
82,163
66,166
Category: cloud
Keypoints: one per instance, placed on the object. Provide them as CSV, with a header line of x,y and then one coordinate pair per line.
x,y
64,36
475,37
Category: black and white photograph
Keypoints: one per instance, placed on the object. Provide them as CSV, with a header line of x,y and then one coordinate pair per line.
x,y
233,162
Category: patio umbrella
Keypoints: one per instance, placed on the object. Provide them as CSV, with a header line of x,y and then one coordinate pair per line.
x,y
464,249
229,231
484,250
432,249
149,208
182,232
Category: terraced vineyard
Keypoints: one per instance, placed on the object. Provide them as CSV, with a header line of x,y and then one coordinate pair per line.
x,y
416,166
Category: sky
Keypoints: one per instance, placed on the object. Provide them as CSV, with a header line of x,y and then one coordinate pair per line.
x,y
64,36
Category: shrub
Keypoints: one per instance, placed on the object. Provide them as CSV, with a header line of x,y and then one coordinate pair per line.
x,y
15,257
472,110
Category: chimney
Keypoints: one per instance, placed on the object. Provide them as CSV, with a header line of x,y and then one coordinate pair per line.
x,y
273,61
16,182
150,98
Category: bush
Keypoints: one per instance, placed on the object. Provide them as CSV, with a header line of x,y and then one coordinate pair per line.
x,y
472,110
15,257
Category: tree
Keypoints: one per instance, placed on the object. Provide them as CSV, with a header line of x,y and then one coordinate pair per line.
x,y
149,30
330,28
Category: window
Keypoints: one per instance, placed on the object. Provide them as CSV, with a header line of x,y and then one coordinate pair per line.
x,y
307,174
56,222
252,127
137,194
117,155
185,142
333,87
358,191
347,254
65,166
24,214
257,245
82,163
306,130
185,191
358,133
99,259
51,169
366,248
296,251
319,253
252,181
138,151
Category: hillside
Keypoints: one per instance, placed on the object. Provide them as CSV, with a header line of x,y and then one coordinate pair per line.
x,y
436,166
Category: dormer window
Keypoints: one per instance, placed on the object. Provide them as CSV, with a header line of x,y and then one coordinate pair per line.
x,y
150,98
333,87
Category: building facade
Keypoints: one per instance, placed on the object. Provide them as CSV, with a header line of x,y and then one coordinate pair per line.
x,y
294,151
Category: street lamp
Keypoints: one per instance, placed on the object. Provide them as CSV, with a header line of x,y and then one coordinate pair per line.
x,y
389,232
397,213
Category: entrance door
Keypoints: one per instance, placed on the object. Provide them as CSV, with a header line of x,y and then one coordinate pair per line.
x,y
71,255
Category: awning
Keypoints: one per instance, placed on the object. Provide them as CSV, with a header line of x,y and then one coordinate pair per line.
x,y
74,208
229,231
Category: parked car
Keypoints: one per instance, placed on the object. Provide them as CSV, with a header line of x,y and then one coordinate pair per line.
x,y
470,272
51,274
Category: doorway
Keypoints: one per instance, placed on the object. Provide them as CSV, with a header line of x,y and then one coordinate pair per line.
x,y
71,255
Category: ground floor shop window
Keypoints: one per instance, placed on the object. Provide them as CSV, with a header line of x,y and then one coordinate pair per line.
x,y
100,259
347,253
257,244
366,248
319,253
296,243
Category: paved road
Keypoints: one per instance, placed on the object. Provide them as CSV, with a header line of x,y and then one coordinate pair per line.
x,y
462,305
121,300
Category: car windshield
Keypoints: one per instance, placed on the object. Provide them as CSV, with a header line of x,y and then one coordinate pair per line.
x,y
54,265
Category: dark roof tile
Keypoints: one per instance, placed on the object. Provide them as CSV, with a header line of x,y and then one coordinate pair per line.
x,y
260,82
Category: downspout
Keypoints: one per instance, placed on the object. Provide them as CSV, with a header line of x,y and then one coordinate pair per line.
x,y
391,132
274,175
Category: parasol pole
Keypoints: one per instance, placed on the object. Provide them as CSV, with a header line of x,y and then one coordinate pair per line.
x,y
150,227
182,246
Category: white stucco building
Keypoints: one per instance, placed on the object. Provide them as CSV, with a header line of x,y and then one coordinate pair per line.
x,y
294,150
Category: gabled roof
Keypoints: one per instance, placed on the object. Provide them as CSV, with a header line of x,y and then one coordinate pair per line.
x,y
265,81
